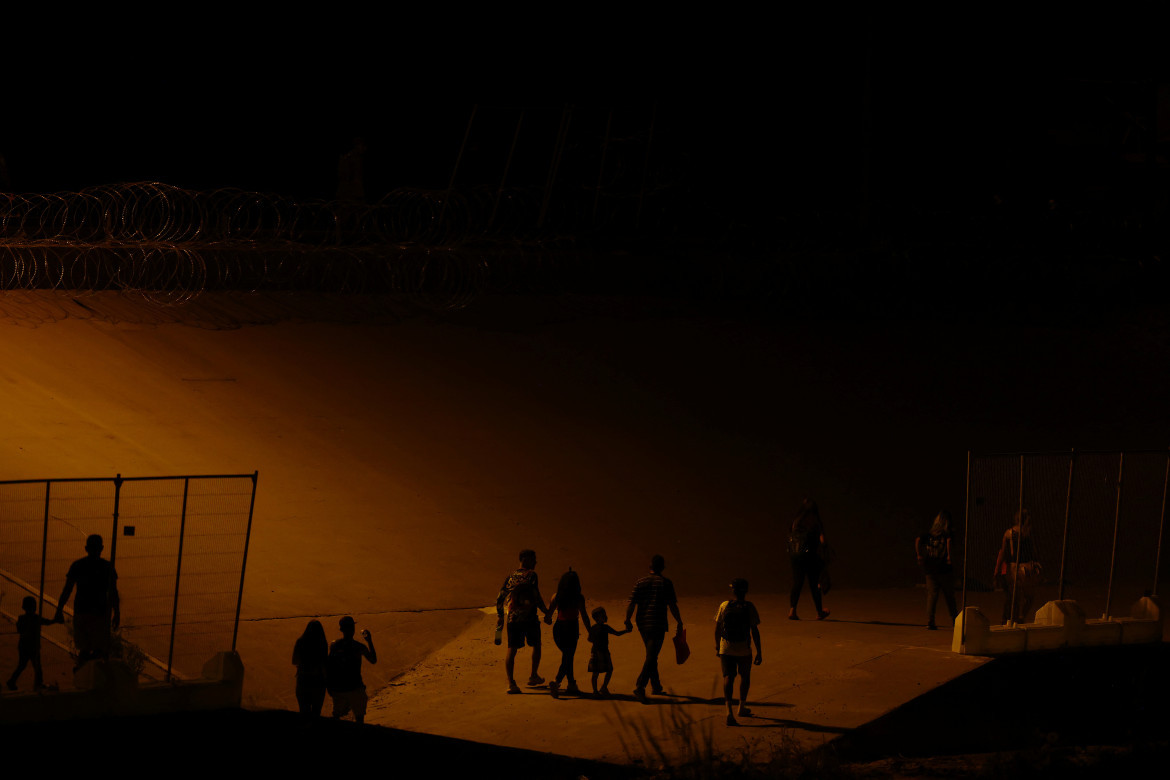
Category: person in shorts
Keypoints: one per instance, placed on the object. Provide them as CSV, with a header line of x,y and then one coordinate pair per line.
x,y
343,671
736,628
517,604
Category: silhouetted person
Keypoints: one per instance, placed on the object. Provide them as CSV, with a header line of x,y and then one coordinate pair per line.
x,y
933,550
96,609
600,661
28,647
344,671
569,606
652,596
310,656
1016,569
806,541
518,601
736,628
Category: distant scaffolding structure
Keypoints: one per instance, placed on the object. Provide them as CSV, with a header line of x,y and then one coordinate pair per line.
x,y
1093,530
179,545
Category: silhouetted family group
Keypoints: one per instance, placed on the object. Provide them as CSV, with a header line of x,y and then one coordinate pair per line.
x,y
96,613
519,604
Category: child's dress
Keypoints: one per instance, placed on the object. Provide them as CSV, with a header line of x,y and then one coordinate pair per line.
x,y
599,659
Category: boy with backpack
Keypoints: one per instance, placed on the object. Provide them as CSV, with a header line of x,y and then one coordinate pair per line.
x,y
736,628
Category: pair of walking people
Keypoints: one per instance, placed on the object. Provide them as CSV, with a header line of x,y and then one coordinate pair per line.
x,y
334,668
519,603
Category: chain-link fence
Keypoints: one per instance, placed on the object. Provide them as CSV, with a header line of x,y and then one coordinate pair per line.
x,y
1086,526
179,546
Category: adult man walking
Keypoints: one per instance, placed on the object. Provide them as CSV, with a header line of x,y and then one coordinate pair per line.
x,y
518,601
96,608
343,671
736,628
652,596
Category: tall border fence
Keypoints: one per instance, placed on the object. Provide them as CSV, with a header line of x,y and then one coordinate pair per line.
x,y
179,545
1092,525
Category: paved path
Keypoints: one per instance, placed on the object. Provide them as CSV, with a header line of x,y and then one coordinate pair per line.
x,y
818,680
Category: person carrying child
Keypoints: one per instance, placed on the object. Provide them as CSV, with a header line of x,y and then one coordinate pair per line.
x,y
736,628
600,661
569,606
28,647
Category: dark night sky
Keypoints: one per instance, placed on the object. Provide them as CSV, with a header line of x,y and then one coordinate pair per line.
x,y
742,108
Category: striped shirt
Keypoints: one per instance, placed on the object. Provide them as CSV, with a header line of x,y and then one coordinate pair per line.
x,y
652,594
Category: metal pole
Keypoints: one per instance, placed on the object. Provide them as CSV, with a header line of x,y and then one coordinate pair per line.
x,y
244,564
178,572
559,149
455,170
966,536
1018,544
1064,539
507,167
1161,523
45,550
1116,521
114,533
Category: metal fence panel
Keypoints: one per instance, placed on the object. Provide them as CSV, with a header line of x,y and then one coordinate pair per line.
x,y
1096,526
179,545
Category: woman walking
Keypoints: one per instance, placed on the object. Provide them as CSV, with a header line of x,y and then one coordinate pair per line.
x,y
806,540
569,606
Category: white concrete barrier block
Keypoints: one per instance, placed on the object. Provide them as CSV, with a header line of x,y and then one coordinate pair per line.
x,y
1135,631
224,667
1038,636
1147,608
974,635
1100,632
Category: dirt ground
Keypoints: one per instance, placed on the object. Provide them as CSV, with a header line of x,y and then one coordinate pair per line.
x,y
405,458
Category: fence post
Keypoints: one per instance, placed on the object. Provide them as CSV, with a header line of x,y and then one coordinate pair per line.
x,y
244,563
966,537
1064,539
1018,545
1116,521
45,549
507,166
114,533
1161,523
178,572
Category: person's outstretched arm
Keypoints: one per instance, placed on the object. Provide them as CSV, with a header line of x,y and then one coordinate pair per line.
x,y
66,592
370,653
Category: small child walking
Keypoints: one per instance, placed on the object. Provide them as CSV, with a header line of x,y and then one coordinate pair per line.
x,y
28,647
600,661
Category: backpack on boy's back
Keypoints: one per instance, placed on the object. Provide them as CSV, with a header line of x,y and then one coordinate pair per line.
x,y
737,624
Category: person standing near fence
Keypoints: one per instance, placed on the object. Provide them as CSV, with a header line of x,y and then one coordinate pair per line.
x,y
310,654
933,549
97,607
28,647
806,541
1017,570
